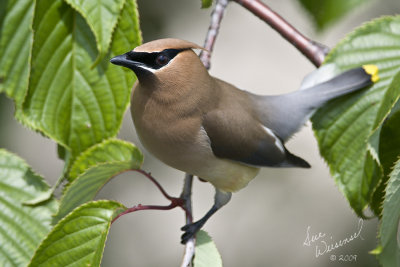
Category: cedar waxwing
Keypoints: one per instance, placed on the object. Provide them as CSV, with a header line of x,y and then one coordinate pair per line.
x,y
204,126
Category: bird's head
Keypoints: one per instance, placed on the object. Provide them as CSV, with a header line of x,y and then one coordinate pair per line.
x,y
162,59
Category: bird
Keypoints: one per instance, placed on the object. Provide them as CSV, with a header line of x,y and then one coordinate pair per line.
x,y
209,128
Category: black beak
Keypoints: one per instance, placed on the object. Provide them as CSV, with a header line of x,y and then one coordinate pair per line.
x,y
124,61
134,61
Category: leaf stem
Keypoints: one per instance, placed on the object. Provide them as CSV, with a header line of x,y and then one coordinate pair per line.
x,y
313,51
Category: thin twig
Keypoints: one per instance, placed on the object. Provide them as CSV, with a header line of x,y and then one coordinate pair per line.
x,y
189,253
216,18
187,200
312,50
151,178
175,201
187,197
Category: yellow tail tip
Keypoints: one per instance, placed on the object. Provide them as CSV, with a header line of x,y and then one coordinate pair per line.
x,y
373,71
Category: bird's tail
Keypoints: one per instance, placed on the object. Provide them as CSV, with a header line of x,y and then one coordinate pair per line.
x,y
342,84
295,108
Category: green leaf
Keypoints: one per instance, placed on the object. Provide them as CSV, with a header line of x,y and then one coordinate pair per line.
x,y
344,126
388,102
78,239
206,251
111,150
326,12
85,187
389,151
390,228
22,228
384,142
206,3
102,17
15,46
67,100
390,142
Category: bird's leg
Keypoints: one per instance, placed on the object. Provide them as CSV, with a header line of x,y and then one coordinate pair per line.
x,y
220,199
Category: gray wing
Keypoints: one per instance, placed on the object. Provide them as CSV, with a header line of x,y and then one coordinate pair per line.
x,y
241,138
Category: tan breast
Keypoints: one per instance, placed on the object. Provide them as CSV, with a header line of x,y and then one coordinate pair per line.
x,y
172,131
168,130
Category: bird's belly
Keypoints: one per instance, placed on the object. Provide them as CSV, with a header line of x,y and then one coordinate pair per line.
x,y
226,175
194,156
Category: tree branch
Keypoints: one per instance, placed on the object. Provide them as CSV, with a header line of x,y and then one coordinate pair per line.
x,y
186,196
216,18
315,52
175,202
187,200
157,184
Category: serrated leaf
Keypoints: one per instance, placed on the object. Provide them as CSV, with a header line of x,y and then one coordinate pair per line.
x,y
78,239
344,126
15,46
207,254
389,100
326,12
22,227
206,3
85,187
389,151
390,227
384,142
102,17
67,100
391,97
111,150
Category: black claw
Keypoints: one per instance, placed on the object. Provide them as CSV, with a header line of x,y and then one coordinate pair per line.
x,y
185,238
192,228
190,231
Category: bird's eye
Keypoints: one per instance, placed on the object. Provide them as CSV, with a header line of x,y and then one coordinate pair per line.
x,y
162,60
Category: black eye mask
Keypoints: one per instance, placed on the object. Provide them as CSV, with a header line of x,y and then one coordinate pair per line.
x,y
155,60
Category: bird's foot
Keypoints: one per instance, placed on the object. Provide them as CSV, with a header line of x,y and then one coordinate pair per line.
x,y
190,230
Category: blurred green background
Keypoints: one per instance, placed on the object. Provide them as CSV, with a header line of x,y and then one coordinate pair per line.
x,y
265,224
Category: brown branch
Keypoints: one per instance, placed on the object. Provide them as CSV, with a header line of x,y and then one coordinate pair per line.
x,y
187,200
175,201
216,18
157,184
184,201
315,52
186,196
